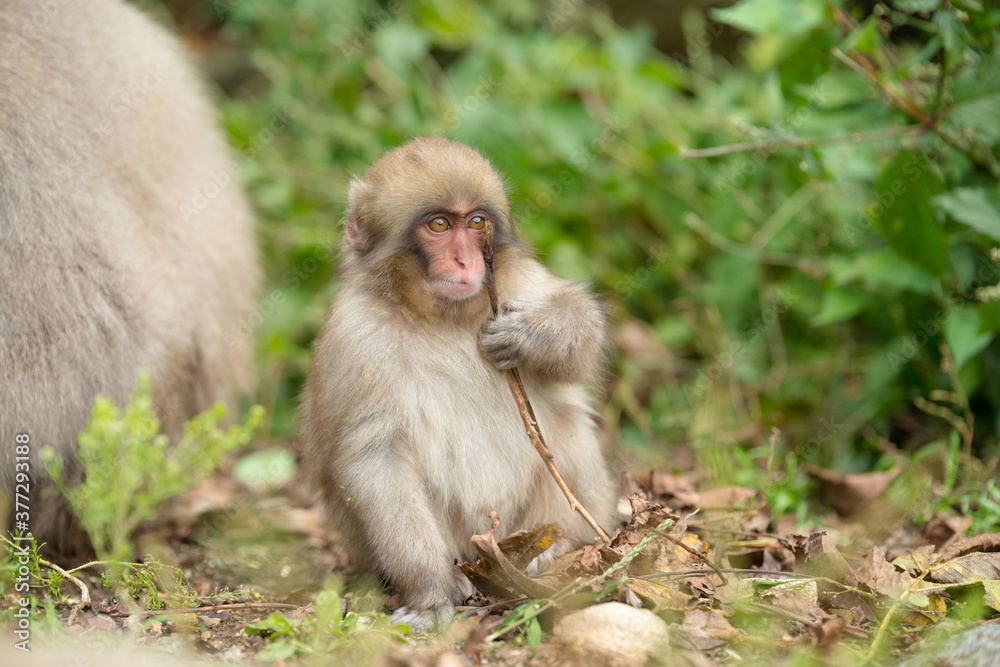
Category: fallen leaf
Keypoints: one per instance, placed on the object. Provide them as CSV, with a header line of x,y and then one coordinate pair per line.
x,y
881,576
707,629
989,542
849,492
820,557
827,629
719,497
495,574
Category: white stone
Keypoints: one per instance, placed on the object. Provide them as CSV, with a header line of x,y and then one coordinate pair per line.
x,y
619,633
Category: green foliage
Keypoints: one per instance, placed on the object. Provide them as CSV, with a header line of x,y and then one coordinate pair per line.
x,y
20,548
525,616
149,582
802,227
129,467
328,634
24,576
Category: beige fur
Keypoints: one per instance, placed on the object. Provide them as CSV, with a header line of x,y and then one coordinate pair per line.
x,y
410,431
118,252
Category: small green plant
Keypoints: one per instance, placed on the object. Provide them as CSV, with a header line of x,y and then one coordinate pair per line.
x,y
25,574
149,582
129,467
330,630
526,615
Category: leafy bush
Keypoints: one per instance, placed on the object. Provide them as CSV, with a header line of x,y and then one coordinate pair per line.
x,y
129,467
802,229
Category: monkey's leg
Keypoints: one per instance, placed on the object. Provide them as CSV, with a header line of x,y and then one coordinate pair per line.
x,y
404,537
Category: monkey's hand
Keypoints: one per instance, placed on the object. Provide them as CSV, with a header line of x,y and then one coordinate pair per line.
x,y
509,339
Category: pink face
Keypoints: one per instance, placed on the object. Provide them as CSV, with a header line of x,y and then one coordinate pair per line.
x,y
454,248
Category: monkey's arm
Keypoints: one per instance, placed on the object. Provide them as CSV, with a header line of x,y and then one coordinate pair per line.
x,y
554,328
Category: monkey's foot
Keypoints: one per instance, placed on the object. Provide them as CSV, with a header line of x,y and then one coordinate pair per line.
x,y
423,620
541,562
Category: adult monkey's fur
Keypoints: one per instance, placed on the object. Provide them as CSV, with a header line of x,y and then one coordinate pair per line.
x,y
125,240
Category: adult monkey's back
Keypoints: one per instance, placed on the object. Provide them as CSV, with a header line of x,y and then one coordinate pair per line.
x,y
125,240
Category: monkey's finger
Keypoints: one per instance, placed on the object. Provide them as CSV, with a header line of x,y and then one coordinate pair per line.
x,y
508,307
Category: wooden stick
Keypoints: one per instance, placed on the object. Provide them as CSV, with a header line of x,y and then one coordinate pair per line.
x,y
521,398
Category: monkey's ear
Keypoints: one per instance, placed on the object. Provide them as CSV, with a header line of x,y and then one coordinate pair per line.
x,y
354,233
354,236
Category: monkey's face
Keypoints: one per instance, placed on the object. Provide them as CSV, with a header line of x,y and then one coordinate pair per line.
x,y
416,221
452,247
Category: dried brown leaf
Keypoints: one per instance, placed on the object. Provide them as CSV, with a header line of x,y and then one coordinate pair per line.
x,y
881,576
588,559
495,574
992,597
718,498
990,542
662,595
916,561
818,556
849,492
827,629
968,569
707,629
940,530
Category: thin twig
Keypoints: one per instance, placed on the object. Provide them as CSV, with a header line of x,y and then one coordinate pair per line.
x,y
577,586
521,398
84,591
799,142
697,554
220,607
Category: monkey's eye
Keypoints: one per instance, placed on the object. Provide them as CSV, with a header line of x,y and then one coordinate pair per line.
x,y
477,222
438,225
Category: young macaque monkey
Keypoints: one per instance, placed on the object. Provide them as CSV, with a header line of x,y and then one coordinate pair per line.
x,y
126,241
410,430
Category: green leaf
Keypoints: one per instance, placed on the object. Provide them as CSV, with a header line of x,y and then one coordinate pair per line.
x,y
989,316
533,632
275,623
951,31
978,208
781,17
904,214
883,269
267,468
840,303
961,331
977,96
865,37
917,5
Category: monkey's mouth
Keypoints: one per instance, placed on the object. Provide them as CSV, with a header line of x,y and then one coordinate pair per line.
x,y
456,290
